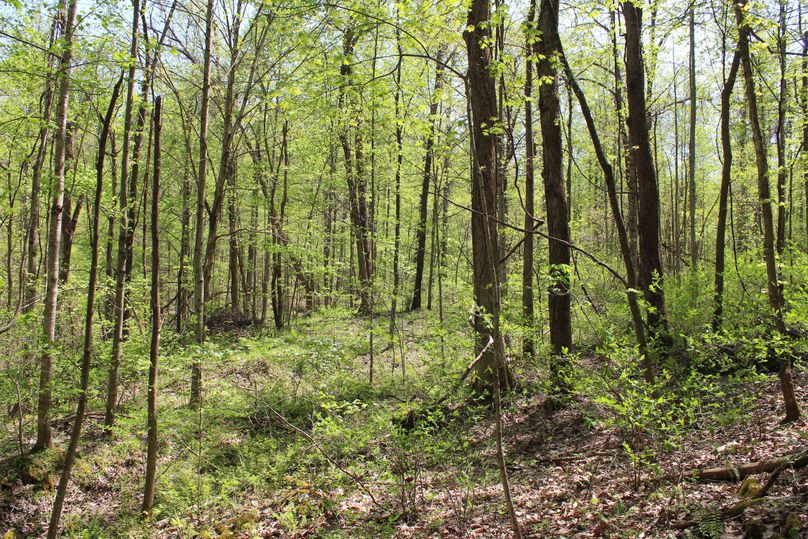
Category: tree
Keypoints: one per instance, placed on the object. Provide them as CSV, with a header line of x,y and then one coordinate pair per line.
x,y
558,301
154,349
87,349
43,434
774,290
484,122
650,275
199,233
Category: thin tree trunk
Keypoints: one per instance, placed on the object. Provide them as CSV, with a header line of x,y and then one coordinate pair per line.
x,y
429,153
126,209
723,199
87,350
780,132
43,437
775,292
397,226
622,234
528,313
199,236
154,351
691,149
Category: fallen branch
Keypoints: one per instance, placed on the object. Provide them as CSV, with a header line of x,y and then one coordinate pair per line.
x,y
798,459
752,497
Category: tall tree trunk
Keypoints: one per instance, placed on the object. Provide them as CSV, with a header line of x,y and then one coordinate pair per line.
x,y
87,350
554,193
154,350
491,371
775,292
780,132
723,198
482,100
32,254
429,153
199,233
127,208
691,149
623,143
354,176
528,314
397,189
650,268
43,435
614,201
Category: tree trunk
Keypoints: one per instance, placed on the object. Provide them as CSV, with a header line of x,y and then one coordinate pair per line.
x,y
775,292
528,314
126,208
622,234
780,133
426,178
87,350
199,233
416,299
650,269
354,177
43,436
154,350
482,99
723,198
691,149
32,255
70,221
554,193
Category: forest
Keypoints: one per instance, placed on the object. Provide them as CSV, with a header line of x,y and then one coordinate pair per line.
x,y
412,268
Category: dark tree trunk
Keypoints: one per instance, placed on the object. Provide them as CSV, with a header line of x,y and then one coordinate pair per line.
x,y
780,133
650,267
127,214
723,198
199,232
482,101
354,178
691,148
775,292
554,193
154,350
70,221
622,234
426,179
528,314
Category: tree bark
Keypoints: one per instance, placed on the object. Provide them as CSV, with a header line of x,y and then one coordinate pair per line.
x,y
154,350
199,233
623,236
723,197
87,350
650,275
43,437
775,291
528,310
426,178
691,148
126,208
558,300
482,100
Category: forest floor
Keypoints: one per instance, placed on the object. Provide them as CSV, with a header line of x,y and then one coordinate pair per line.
x,y
291,443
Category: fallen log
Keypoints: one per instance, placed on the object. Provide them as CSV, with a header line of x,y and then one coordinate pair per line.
x,y
739,472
